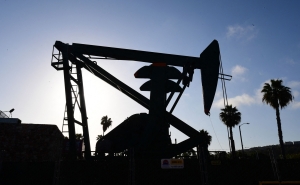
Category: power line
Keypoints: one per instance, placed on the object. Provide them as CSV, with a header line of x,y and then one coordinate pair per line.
x,y
224,93
215,132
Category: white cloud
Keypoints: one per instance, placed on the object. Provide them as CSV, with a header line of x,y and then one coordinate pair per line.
x,y
218,104
186,94
293,84
238,70
237,101
295,93
246,99
290,61
258,95
218,94
241,32
296,105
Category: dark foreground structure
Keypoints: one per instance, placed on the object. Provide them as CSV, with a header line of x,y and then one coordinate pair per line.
x,y
116,171
30,142
32,154
137,150
152,134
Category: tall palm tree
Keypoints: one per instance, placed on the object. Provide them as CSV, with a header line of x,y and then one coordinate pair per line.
x,y
231,117
206,136
276,94
105,122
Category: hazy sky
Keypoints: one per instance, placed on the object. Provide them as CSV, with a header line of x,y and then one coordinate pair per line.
x,y
259,41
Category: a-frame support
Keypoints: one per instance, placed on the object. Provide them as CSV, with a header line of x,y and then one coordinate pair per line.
x,y
85,129
70,110
71,103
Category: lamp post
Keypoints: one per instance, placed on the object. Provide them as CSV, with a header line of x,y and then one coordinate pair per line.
x,y
241,135
11,110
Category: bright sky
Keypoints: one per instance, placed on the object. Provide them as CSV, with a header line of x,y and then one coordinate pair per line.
x,y
259,41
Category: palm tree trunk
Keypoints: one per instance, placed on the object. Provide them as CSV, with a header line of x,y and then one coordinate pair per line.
x,y
229,138
232,143
280,132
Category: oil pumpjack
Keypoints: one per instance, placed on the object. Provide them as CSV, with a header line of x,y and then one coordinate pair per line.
x,y
148,133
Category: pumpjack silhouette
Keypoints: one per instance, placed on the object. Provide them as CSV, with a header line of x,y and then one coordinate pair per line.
x,y
147,133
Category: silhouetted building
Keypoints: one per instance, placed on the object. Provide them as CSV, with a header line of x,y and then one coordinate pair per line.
x,y
297,143
30,142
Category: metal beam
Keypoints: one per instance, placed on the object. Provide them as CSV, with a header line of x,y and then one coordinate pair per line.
x,y
107,80
135,55
107,77
142,100
85,129
177,99
181,126
184,146
208,62
110,79
68,93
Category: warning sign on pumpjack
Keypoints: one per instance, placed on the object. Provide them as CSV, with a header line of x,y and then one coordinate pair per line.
x,y
172,163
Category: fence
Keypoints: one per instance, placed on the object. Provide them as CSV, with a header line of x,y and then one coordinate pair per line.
x,y
115,170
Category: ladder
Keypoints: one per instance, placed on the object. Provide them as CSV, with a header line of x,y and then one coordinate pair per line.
x,y
74,90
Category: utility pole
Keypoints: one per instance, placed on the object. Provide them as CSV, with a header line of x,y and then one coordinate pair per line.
x,y
241,135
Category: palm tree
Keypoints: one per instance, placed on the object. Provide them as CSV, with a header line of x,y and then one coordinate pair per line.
x,y
105,122
78,136
276,94
98,137
206,136
207,140
230,117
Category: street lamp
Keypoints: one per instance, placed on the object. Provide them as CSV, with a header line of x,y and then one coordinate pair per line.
x,y
241,135
11,110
